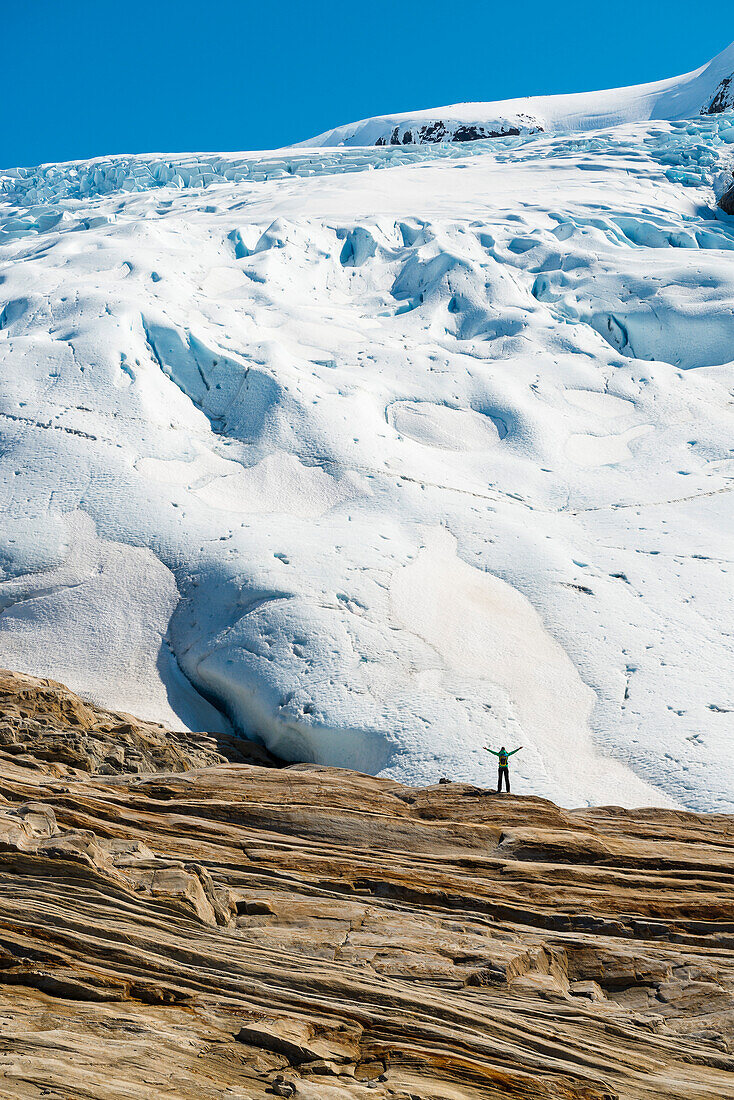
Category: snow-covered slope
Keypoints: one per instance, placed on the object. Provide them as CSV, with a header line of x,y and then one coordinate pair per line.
x,y
384,454
709,89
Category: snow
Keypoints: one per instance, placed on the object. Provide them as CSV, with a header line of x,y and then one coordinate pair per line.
x,y
385,454
707,89
98,621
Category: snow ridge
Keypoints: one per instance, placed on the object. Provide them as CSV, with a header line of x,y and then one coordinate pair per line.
x,y
49,183
47,186
709,89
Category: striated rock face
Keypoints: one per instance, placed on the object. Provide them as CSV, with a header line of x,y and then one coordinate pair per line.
x,y
41,720
175,922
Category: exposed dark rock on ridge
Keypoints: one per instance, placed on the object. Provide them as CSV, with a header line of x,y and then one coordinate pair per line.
x,y
245,932
726,202
437,131
723,98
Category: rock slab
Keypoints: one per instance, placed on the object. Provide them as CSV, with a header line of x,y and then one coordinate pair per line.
x,y
180,917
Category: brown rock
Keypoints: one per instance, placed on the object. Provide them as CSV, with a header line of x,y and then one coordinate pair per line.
x,y
211,928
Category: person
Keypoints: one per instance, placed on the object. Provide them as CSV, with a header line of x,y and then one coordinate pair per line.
x,y
503,758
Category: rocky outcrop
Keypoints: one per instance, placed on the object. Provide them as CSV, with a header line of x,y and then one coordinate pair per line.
x,y
43,721
726,202
722,99
177,922
437,131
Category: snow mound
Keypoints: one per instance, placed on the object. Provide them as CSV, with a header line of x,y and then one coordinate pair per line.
x,y
708,90
380,455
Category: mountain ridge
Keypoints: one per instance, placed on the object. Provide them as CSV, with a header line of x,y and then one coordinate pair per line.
x,y
708,89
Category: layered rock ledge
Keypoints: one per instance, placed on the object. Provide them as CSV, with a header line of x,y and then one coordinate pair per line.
x,y
180,917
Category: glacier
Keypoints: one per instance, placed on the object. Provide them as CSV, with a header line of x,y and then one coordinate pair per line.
x,y
379,455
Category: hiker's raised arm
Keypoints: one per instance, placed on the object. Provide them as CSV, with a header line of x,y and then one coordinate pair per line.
x,y
514,750
491,750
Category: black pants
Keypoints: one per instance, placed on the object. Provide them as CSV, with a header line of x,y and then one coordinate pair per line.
x,y
506,773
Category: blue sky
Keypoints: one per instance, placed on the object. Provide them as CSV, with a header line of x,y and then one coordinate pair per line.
x,y
78,79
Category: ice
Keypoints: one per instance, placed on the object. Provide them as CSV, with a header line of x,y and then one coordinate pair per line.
x,y
49,183
383,454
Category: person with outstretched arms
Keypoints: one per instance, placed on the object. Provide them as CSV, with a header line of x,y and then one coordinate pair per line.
x,y
503,758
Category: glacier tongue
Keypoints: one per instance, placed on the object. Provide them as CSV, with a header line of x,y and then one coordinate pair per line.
x,y
385,453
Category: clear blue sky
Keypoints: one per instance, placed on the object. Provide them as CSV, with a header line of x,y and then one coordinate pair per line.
x,y
78,79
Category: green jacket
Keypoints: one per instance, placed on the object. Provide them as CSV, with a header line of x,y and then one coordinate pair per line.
x,y
502,757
